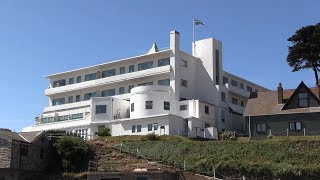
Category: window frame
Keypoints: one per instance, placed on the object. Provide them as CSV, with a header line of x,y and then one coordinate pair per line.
x,y
108,73
163,62
166,105
259,127
132,107
149,105
101,109
295,126
122,70
206,109
305,99
181,108
184,83
145,65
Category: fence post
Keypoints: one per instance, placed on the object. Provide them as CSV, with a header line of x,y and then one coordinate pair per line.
x,y
120,147
184,165
178,132
243,178
270,133
137,152
287,132
214,173
304,131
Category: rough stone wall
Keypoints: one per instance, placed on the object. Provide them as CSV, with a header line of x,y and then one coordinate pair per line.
x,y
5,153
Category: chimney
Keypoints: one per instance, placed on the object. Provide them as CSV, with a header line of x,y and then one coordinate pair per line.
x,y
174,40
280,93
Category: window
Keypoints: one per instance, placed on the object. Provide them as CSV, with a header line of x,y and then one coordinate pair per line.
x,y
133,128
164,82
183,107
242,103
81,133
223,115
262,128
155,126
166,105
184,83
63,118
57,102
184,63
132,107
217,67
88,96
70,99
47,119
223,96
79,79
108,73
101,109
71,80
122,70
149,127
149,104
145,84
121,90
146,65
61,82
295,126
163,62
109,92
77,98
206,109
24,150
130,87
234,101
131,68
138,128
249,89
303,100
90,77
76,116
234,83
241,86
225,80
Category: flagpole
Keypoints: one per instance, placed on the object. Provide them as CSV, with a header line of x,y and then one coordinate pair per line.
x,y
193,35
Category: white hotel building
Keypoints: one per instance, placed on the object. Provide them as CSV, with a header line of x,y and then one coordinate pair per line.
x,y
162,92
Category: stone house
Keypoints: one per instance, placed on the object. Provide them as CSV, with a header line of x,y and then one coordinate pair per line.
x,y
286,112
22,154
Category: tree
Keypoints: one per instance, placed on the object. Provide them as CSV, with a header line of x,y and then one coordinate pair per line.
x,y
103,132
305,52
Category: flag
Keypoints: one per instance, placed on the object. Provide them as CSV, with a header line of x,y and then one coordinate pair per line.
x,y
197,22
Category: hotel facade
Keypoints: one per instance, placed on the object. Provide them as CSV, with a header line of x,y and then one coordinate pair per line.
x,y
162,92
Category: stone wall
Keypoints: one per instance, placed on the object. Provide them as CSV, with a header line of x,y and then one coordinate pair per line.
x,y
5,153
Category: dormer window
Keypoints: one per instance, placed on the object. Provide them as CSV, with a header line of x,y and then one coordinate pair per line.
x,y
303,100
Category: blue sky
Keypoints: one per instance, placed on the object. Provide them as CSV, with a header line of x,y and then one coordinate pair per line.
x,y
41,37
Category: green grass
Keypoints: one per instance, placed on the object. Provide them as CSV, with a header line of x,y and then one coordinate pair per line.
x,y
279,157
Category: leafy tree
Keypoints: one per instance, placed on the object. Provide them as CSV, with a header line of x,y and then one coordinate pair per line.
x,y
73,152
305,52
103,132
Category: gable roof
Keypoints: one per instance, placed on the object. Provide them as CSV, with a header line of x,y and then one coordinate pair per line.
x,y
266,103
23,136
31,136
9,135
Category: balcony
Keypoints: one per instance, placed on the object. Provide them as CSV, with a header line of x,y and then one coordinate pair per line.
x,y
237,90
109,80
74,105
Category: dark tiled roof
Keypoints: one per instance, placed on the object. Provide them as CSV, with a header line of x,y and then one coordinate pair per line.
x,y
11,136
267,104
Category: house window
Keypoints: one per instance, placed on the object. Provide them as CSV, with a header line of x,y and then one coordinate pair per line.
x,y
241,86
76,116
145,84
24,150
132,107
225,80
166,105
70,99
184,63
71,80
101,109
77,98
155,126
234,101
88,96
63,118
131,68
183,107
47,120
59,83
57,102
122,70
108,73
249,89
138,128
242,103
295,126
130,87
81,133
262,128
163,62
303,100
146,65
223,96
234,83
133,129
149,104
90,77
121,90
79,79
164,82
149,127
206,109
109,92
184,83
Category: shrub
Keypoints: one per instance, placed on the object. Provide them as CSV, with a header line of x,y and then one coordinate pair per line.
x,y
228,135
152,137
103,132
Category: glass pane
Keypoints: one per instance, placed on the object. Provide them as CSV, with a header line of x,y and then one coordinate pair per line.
x,y
146,65
163,62
164,82
292,126
298,126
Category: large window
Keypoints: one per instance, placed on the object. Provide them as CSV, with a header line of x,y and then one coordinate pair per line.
x,y
76,116
234,83
81,133
122,70
109,92
149,127
121,90
166,105
101,109
90,77
184,83
149,104
163,62
88,96
183,107
131,68
59,101
261,128
303,100
138,128
71,80
164,82
59,83
79,79
295,126
108,73
223,96
146,65
234,101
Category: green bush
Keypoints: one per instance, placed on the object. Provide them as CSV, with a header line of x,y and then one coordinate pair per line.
x,y
103,132
152,137
228,135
